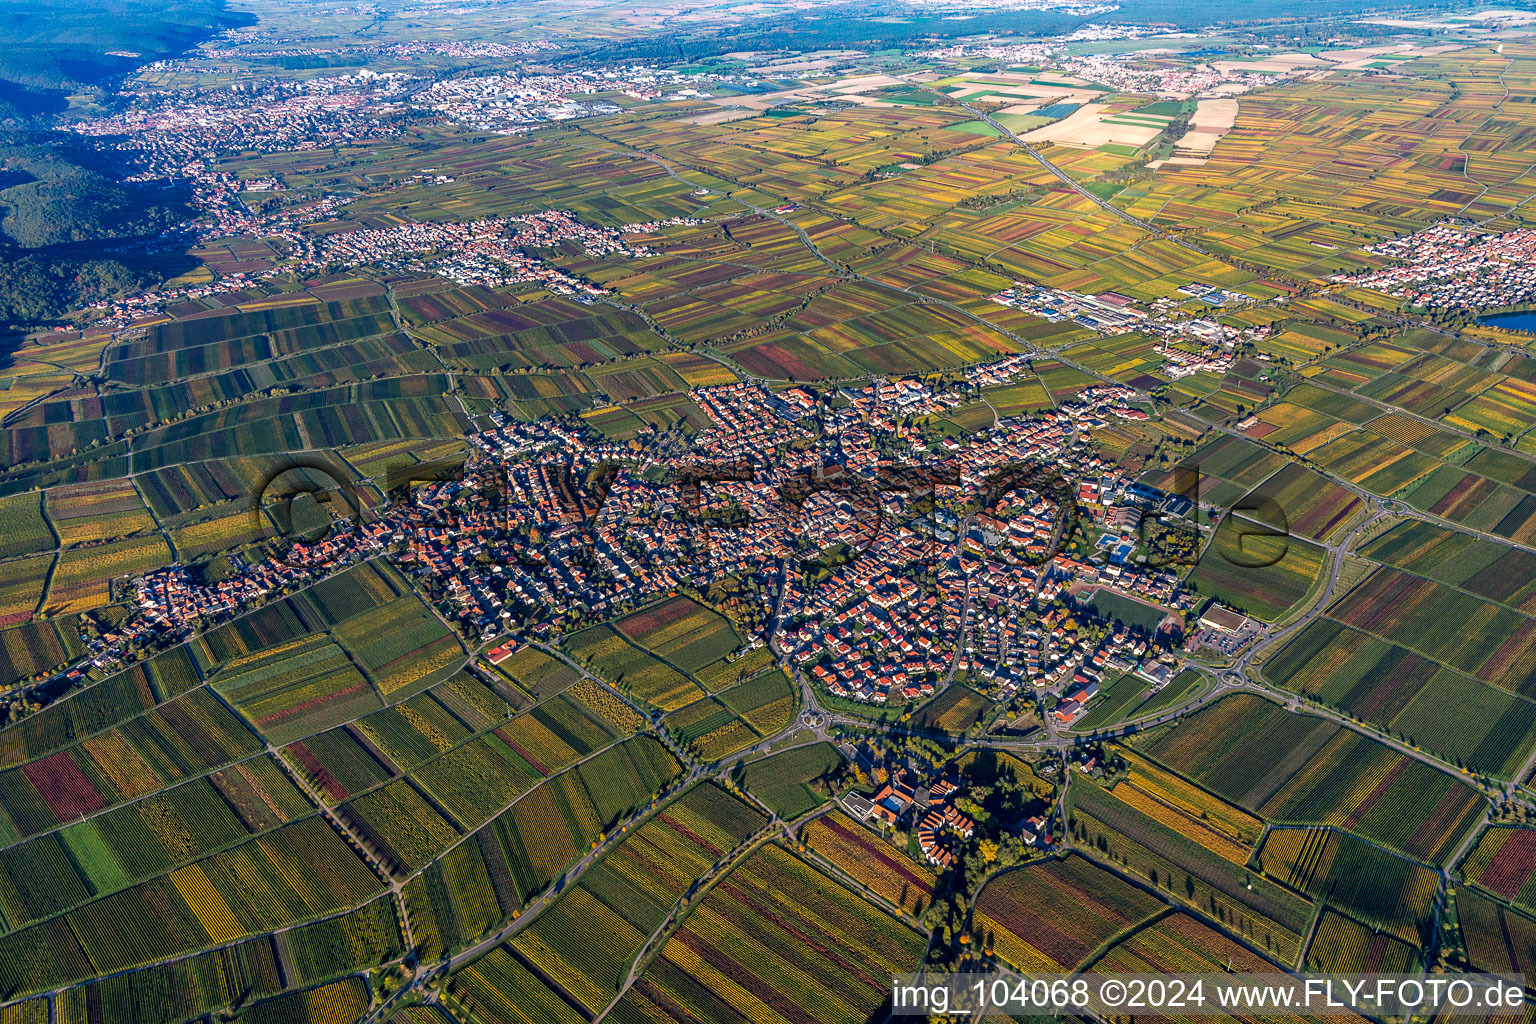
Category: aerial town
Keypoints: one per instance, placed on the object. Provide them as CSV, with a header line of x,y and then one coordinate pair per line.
x,y
792,512
1450,266
886,625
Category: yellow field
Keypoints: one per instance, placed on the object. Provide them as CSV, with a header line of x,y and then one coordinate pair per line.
x,y
1220,827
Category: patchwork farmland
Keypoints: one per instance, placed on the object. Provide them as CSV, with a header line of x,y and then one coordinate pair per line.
x,y
578,512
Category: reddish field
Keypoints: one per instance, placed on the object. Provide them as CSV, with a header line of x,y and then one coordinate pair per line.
x,y
324,779
1511,867
653,618
64,786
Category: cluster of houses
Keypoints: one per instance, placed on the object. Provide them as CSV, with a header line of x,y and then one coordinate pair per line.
x,y
927,805
180,137
182,132
1156,73
1046,654
869,632
1167,78
855,635
250,42
494,252
477,252
527,538
512,102
1451,267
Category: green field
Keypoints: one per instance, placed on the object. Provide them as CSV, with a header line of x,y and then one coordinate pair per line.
x,y
1250,568
788,781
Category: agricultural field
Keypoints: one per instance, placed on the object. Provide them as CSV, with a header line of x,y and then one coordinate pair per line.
x,y
1497,939
1302,502
1052,916
290,683
417,729
22,580
1343,945
1294,426
1228,468
610,655
24,526
490,875
1489,571
499,987
631,892
168,744
794,781
1225,830
117,849
492,769
765,702
711,729
245,972
1503,864
1249,567
196,906
339,1000
401,645
87,513
1398,646
1131,697
1264,913
1292,768
988,767
709,965
1416,613
297,689
1177,690
1122,698
1177,944
729,671
338,764
1390,893
206,536
1479,488
110,702
83,577
536,673
399,825
865,858
682,632
954,710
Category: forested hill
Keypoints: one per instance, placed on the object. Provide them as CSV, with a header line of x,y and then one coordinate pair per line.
x,y
47,47
57,195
